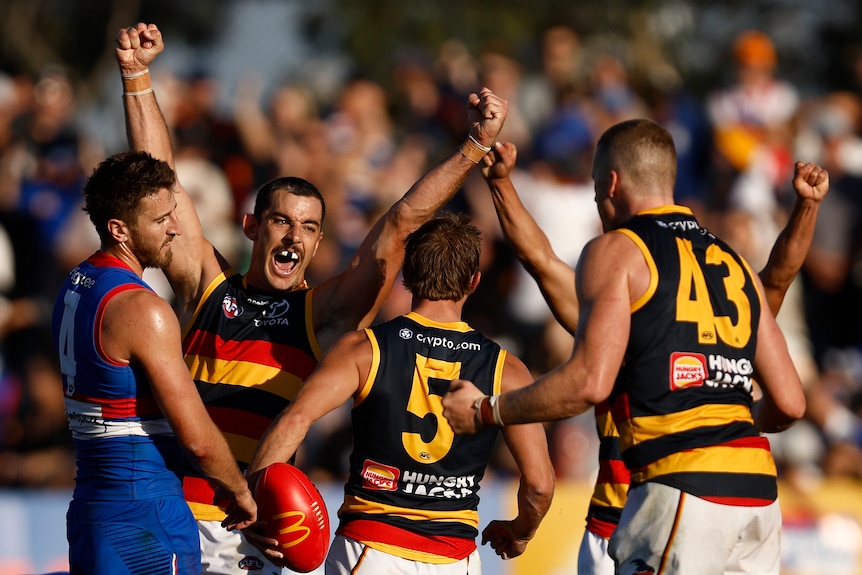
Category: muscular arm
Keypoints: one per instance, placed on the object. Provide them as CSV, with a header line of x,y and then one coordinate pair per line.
x,y
336,379
529,447
556,278
141,327
610,271
195,261
811,183
783,399
352,298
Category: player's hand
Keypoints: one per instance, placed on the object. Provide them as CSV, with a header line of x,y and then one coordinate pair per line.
x,y
501,536
810,181
255,534
498,163
138,46
458,406
486,113
241,510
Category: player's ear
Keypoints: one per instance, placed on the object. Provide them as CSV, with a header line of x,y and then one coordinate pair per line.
x,y
474,281
118,230
249,226
613,183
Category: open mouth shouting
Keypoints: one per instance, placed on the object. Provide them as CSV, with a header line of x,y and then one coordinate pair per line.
x,y
285,261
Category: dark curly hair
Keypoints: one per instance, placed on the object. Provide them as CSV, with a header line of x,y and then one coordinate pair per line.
x,y
119,183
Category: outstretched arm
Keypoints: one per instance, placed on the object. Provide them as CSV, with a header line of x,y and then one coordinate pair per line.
x,y
556,278
352,298
811,183
528,445
611,268
335,380
195,262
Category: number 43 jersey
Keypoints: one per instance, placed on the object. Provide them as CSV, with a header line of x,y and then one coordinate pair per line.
x,y
409,472
683,398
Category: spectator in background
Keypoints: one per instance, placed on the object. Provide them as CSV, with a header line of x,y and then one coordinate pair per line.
x,y
751,119
672,105
559,76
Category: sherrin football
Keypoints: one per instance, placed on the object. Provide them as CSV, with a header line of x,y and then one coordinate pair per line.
x,y
295,515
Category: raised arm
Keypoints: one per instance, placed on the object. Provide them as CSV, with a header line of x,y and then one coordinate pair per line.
x,y
556,278
195,262
811,183
528,445
352,298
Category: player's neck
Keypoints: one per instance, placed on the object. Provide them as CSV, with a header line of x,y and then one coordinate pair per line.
x,y
125,255
442,311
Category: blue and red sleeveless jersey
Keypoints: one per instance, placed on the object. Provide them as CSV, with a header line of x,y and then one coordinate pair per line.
x,y
125,448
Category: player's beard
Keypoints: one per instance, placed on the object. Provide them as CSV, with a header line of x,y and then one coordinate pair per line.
x,y
155,256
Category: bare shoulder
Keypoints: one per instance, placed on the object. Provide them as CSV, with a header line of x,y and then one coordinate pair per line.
x,y
137,322
611,256
356,340
140,307
352,347
515,373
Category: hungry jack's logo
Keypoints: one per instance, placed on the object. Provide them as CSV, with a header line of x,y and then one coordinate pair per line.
x,y
687,370
379,477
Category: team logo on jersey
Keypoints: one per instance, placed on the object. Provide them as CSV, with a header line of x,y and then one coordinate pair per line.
x,y
250,564
687,369
273,314
379,477
230,307
277,309
78,278
405,333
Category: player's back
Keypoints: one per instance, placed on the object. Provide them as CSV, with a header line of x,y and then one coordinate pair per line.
x,y
406,456
683,398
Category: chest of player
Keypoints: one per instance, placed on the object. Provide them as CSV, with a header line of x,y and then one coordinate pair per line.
x,y
232,314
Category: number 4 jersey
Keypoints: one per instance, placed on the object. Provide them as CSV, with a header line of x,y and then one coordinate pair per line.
x,y
683,398
125,448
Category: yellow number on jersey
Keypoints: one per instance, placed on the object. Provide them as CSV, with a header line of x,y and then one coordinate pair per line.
x,y
422,402
693,303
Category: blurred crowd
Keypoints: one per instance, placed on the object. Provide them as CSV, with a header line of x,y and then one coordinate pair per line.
x,y
365,144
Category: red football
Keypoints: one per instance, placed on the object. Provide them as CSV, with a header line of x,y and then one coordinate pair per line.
x,y
295,514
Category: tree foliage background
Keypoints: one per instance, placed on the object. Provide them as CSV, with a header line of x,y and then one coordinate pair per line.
x,y
818,40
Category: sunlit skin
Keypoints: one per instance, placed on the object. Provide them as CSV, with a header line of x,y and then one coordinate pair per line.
x,y
148,239
603,178
291,225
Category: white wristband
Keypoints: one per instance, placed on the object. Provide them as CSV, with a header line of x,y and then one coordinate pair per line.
x,y
486,149
135,74
495,409
139,92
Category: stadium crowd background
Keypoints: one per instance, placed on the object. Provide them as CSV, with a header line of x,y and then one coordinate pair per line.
x,y
363,142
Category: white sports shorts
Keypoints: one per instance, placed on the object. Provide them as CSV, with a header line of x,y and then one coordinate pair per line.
x,y
666,531
593,558
350,557
226,552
